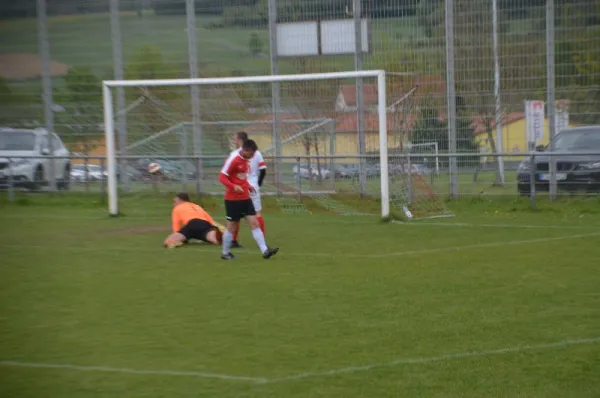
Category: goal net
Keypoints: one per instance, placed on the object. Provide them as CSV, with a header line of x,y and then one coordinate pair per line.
x,y
321,135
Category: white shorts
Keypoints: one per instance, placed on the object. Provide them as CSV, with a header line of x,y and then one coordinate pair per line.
x,y
255,196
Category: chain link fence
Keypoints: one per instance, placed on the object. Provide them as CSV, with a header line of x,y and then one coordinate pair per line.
x,y
473,63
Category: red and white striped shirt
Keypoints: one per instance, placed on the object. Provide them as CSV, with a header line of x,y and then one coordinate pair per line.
x,y
235,172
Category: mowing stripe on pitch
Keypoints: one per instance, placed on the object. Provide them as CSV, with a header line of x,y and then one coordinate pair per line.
x,y
329,219
116,249
306,375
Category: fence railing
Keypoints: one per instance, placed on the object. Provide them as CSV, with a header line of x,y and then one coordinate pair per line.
x,y
526,174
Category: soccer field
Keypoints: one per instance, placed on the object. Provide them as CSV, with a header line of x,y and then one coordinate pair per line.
x,y
498,301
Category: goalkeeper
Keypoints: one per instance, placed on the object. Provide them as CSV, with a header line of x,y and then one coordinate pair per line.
x,y
191,221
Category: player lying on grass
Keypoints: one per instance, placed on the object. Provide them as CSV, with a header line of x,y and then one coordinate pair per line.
x,y
258,171
191,221
238,205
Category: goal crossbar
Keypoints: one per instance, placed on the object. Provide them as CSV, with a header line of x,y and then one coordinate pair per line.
x,y
380,74
109,114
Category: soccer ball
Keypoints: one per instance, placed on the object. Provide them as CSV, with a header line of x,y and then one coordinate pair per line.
x,y
153,168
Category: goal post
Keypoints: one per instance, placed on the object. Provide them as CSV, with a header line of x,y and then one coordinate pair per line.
x,y
380,111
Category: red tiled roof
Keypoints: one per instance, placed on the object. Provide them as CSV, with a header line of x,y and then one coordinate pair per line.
x,y
347,122
369,94
431,84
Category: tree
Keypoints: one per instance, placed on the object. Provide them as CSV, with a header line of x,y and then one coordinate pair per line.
x,y
431,15
578,58
79,106
313,99
255,45
162,105
20,106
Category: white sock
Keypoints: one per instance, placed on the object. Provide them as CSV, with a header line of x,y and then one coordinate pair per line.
x,y
227,239
260,239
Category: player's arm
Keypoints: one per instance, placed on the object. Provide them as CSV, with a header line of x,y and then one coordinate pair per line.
x,y
226,172
262,170
175,220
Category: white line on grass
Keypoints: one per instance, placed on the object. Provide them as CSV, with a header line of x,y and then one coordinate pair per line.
x,y
423,360
482,245
115,249
472,225
132,371
307,375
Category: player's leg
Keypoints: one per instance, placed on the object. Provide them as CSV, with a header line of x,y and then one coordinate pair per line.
x,y
213,237
235,244
194,229
257,203
232,209
257,234
206,232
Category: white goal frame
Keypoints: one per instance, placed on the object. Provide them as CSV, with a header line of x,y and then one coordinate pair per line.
x,y
435,146
109,113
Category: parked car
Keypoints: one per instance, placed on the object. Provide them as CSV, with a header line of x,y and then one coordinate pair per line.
x,y
132,173
572,172
32,173
414,169
342,171
312,172
94,172
170,169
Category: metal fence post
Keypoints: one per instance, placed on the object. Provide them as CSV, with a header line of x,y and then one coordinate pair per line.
x,y
551,95
115,30
102,181
332,153
532,181
410,180
360,103
498,110
11,191
299,175
190,11
47,86
275,93
451,97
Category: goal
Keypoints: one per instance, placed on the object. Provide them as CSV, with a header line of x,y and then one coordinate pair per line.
x,y
320,137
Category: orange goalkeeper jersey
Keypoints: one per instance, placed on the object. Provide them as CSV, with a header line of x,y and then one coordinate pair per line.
x,y
184,212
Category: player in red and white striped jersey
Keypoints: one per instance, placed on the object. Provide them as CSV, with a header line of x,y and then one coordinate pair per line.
x,y
256,176
238,205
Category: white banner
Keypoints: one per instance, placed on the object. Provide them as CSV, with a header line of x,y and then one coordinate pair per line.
x,y
562,116
534,119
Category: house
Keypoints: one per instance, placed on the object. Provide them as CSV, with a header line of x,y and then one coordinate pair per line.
x,y
346,100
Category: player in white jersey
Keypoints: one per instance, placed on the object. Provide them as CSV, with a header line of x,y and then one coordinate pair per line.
x,y
258,171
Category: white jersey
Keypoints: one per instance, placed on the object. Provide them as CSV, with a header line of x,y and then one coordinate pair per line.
x,y
257,163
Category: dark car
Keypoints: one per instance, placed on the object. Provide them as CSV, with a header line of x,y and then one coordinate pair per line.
x,y
572,172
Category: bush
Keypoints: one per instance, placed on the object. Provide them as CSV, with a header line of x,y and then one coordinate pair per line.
x,y
255,44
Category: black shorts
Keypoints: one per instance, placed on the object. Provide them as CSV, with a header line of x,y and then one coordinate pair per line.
x,y
197,229
238,209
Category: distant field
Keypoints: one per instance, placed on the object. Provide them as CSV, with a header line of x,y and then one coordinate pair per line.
x,y
496,302
86,41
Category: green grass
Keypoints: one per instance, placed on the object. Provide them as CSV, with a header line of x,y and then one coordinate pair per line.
x,y
82,289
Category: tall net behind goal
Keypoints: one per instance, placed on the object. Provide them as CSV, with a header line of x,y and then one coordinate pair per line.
x,y
317,141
